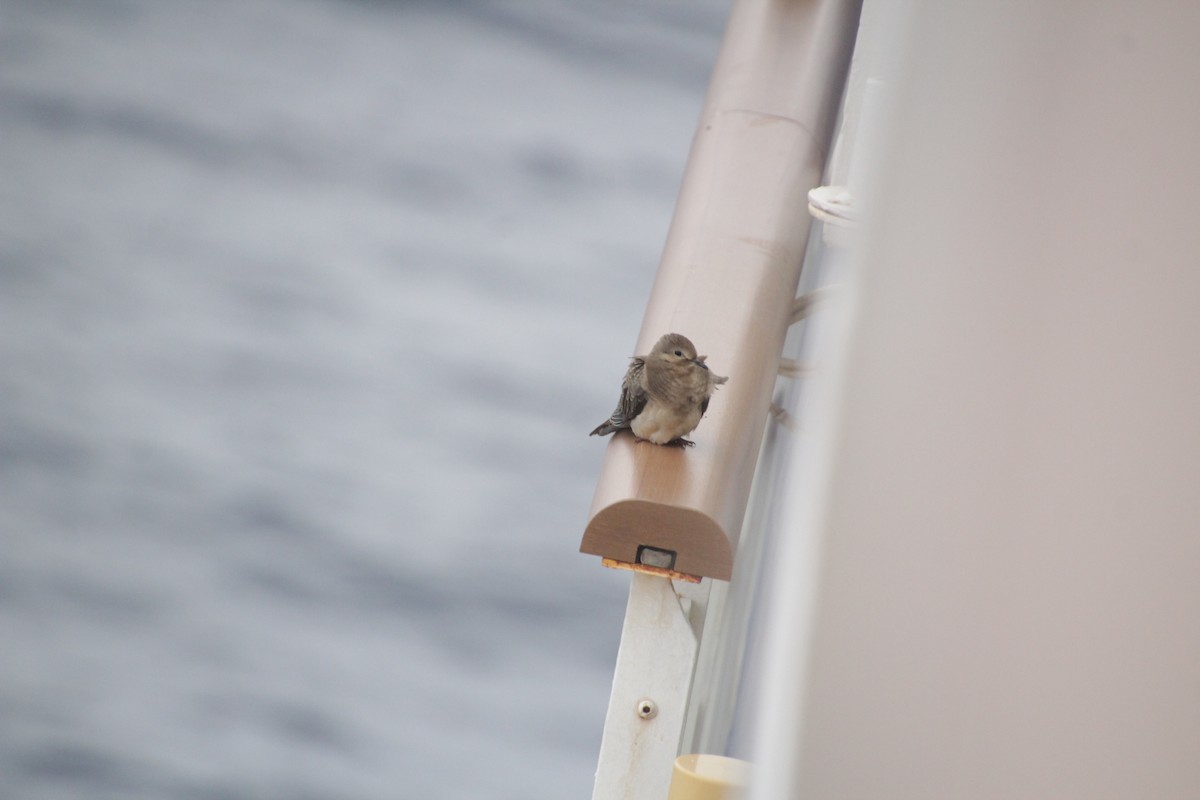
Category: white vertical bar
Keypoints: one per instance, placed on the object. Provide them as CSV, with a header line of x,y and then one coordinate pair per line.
x,y
654,667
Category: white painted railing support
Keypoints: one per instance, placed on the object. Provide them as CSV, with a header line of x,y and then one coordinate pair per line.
x,y
651,684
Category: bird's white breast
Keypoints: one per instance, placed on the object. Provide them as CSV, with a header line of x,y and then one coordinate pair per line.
x,y
661,423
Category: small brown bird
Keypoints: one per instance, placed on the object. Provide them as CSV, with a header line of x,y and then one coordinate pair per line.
x,y
664,394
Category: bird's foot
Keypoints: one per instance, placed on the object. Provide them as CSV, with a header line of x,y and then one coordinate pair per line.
x,y
680,442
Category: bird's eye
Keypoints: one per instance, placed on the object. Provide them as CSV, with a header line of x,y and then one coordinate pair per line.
x,y
679,353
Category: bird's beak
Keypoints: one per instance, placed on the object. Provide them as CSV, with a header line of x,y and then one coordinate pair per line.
x,y
699,361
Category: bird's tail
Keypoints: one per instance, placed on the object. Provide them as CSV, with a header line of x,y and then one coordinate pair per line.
x,y
605,428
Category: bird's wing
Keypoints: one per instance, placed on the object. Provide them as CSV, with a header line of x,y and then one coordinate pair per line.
x,y
632,401
714,381
633,395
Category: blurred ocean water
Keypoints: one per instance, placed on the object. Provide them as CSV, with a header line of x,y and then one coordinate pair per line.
x,y
306,308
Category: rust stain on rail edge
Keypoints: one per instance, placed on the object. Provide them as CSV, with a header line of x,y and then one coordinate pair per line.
x,y
661,572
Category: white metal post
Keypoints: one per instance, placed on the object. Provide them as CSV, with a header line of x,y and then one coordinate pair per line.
x,y
650,690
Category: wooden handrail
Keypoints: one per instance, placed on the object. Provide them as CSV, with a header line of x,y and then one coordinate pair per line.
x,y
727,279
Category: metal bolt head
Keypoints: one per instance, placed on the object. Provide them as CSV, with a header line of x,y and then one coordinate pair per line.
x,y
647,708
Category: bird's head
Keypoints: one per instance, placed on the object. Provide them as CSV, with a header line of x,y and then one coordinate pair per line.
x,y
675,348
